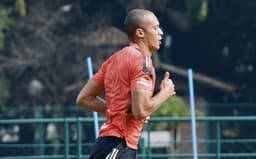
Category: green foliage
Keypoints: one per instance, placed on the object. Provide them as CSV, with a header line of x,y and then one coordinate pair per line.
x,y
20,6
197,10
4,92
5,23
173,107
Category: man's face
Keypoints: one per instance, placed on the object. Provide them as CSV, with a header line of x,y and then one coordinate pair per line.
x,y
153,33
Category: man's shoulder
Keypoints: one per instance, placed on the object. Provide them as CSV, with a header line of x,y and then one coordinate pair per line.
x,y
128,54
132,51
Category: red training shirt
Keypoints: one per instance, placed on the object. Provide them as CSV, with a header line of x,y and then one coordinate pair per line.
x,y
127,69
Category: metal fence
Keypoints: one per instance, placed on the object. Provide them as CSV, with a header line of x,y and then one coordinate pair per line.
x,y
68,138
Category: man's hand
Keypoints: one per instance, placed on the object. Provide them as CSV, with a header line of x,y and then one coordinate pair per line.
x,y
147,119
167,83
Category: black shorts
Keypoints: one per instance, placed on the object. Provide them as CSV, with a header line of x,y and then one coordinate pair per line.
x,y
111,148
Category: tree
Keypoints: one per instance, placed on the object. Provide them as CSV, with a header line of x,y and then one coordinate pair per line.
x,y
50,43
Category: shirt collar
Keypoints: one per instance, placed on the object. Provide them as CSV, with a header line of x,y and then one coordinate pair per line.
x,y
136,46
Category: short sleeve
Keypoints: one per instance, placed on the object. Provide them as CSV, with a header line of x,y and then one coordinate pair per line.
x,y
99,76
139,78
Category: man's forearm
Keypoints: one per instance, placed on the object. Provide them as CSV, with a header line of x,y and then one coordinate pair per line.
x,y
94,103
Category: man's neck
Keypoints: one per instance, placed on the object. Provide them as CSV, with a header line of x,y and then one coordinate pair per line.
x,y
144,48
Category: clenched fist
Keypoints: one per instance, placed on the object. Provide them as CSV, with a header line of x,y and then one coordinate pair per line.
x,y
167,84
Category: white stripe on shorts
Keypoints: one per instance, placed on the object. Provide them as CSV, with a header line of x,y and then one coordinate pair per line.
x,y
112,154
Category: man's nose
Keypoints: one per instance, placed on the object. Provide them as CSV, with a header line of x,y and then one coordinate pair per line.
x,y
161,32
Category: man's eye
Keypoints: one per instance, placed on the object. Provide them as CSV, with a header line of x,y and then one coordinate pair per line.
x,y
158,28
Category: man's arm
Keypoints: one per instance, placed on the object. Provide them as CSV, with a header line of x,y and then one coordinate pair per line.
x,y
89,97
143,104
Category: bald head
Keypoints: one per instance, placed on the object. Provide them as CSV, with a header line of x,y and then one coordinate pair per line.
x,y
136,18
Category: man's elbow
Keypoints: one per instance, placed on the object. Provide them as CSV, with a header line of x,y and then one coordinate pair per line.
x,y
140,115
79,101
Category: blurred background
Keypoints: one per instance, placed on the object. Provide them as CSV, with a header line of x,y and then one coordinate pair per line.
x,y
44,45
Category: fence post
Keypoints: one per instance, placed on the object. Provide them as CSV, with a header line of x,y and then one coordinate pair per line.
x,y
66,139
193,114
218,140
41,130
207,130
95,114
148,142
79,138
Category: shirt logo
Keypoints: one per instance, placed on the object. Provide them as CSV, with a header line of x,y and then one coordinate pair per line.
x,y
146,65
145,82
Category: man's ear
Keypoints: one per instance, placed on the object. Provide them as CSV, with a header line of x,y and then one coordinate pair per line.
x,y
139,32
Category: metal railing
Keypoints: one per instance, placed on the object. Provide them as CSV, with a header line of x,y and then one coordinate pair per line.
x,y
72,140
